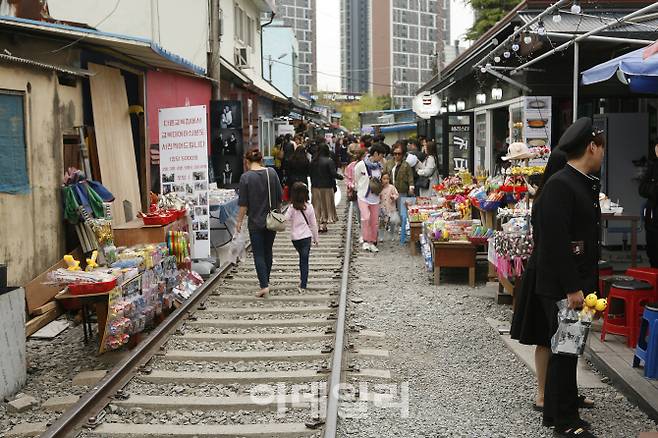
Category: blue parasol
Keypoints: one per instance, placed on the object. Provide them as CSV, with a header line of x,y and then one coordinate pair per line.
x,y
638,68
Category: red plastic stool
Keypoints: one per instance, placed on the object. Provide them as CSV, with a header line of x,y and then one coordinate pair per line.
x,y
634,294
647,274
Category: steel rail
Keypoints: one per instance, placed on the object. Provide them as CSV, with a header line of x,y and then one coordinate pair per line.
x,y
89,405
331,421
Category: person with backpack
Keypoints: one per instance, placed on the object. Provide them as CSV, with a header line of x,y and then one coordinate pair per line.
x,y
303,228
368,184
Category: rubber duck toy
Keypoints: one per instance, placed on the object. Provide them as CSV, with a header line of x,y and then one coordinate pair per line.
x,y
601,304
593,304
71,263
91,263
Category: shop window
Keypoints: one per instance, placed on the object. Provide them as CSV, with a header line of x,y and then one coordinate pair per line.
x,y
13,149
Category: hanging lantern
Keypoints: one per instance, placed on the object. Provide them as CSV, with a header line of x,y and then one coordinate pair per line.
x,y
461,105
481,98
443,110
515,47
497,59
557,17
527,38
575,8
496,92
541,29
506,54
452,108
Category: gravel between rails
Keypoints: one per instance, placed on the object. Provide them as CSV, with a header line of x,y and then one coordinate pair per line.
x,y
237,366
463,381
184,344
190,328
137,386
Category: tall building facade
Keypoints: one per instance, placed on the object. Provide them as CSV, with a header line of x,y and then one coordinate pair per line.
x,y
355,45
300,15
404,40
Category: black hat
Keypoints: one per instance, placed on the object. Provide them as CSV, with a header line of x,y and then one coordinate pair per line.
x,y
578,135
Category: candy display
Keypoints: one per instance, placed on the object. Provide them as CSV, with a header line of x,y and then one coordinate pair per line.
x,y
510,249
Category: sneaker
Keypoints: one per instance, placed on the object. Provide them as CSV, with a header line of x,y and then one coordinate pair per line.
x,y
381,238
373,248
360,240
365,246
302,290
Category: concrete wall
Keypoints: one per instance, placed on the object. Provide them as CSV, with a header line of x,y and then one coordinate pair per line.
x,y
181,29
381,49
32,231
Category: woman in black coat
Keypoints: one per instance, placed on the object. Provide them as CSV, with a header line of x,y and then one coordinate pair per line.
x,y
527,323
649,190
323,182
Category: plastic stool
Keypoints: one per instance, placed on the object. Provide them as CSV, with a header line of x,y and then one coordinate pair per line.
x,y
647,344
647,274
634,294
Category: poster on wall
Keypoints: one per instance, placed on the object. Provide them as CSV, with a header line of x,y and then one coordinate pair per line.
x,y
226,141
184,167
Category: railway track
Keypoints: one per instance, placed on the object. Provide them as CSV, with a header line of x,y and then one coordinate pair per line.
x,y
228,364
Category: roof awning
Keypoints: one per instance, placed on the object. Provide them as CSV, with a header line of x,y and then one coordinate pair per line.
x,y
58,68
265,89
141,51
572,23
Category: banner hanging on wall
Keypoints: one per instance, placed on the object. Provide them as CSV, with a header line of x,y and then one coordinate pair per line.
x,y
184,167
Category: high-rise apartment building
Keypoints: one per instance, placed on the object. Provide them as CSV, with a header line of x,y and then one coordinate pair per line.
x,y
399,41
300,15
355,45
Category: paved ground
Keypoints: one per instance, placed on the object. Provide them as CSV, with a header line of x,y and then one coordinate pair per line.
x,y
463,380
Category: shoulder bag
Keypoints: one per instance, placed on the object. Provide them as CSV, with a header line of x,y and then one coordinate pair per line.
x,y
374,184
275,221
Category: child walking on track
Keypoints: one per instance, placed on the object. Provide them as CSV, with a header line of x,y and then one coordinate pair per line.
x,y
303,228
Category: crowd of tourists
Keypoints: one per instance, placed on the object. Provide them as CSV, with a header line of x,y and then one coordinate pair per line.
x,y
381,181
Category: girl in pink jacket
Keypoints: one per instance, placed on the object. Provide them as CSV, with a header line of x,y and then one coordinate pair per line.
x,y
303,228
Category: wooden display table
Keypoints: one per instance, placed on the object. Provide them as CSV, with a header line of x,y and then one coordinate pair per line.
x,y
414,240
454,255
135,232
98,301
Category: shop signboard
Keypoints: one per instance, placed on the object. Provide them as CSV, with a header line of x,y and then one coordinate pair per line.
x,y
426,106
184,167
285,129
459,138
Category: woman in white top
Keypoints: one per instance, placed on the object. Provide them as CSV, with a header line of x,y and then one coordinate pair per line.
x,y
428,168
369,167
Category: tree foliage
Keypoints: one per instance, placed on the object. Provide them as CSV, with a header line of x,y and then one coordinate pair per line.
x,y
487,14
350,110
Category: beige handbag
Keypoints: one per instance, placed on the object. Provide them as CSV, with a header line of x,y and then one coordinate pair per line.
x,y
275,220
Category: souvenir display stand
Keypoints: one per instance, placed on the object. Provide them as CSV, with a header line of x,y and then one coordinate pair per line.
x,y
415,215
136,232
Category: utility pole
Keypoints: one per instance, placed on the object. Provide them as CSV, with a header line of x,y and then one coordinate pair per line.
x,y
214,62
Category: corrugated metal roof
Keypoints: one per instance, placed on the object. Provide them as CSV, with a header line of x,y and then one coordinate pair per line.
x,y
52,67
571,23
141,51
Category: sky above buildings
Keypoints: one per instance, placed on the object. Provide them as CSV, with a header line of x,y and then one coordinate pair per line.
x,y
328,38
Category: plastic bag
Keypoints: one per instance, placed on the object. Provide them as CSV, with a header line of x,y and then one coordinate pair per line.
x,y
238,248
571,335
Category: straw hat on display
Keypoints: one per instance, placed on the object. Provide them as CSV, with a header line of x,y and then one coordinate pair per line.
x,y
517,151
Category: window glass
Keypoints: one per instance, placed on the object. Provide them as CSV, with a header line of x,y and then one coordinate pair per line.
x,y
13,150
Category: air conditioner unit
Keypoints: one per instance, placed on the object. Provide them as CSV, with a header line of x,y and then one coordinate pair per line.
x,y
241,57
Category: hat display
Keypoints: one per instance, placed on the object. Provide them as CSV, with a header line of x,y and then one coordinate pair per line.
x,y
517,151
579,134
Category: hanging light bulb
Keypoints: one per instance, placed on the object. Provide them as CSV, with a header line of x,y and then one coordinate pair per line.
x,y
541,29
497,59
483,69
506,54
557,17
527,39
488,65
575,8
452,108
496,92
515,47
443,110
461,105
481,98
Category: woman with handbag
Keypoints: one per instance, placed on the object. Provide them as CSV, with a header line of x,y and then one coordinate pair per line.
x,y
303,228
368,184
259,199
428,170
323,181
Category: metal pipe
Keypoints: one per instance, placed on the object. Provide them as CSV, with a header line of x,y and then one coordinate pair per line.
x,y
331,421
600,38
585,35
518,31
499,67
509,81
576,79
